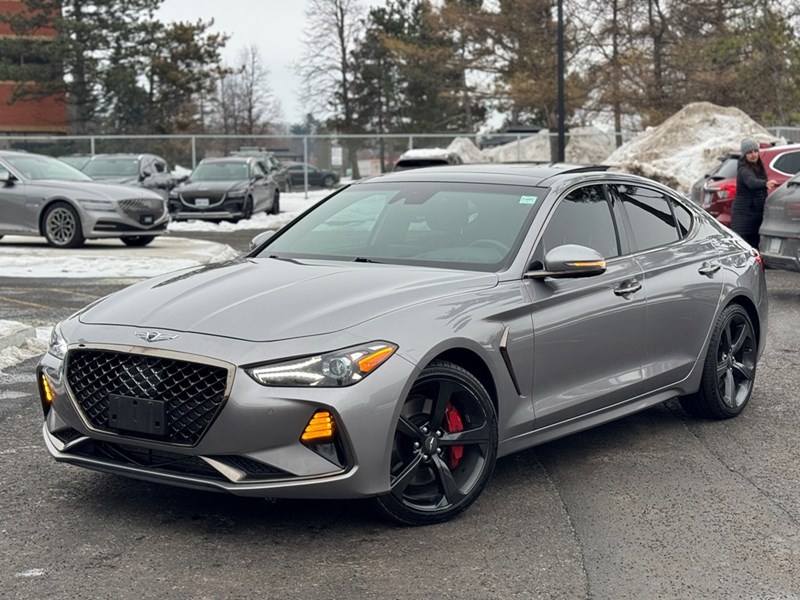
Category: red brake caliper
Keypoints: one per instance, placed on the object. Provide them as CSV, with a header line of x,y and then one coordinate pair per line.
x,y
453,424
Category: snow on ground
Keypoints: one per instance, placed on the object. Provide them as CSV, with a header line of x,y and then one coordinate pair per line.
x,y
30,348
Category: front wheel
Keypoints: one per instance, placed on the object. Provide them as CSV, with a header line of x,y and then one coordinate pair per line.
x,y
276,204
137,241
729,371
62,226
444,447
329,181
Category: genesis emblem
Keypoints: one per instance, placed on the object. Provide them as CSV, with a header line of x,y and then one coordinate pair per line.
x,y
154,336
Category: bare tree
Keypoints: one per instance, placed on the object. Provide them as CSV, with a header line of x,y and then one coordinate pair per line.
x,y
245,103
333,30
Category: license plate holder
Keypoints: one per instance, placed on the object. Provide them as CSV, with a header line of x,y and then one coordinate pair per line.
x,y
774,246
139,415
201,202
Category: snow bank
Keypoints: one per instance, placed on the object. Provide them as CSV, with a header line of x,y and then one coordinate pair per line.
x,y
688,144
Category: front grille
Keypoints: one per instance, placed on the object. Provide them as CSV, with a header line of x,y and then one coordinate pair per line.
x,y
136,207
193,393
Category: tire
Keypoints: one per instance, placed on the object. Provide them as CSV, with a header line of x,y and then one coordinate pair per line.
x,y
62,226
137,241
248,208
729,370
329,181
276,204
444,447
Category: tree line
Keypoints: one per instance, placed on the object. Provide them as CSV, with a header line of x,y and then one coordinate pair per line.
x,y
414,66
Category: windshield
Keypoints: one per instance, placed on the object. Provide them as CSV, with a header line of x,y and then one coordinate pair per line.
x,y
452,225
112,167
36,166
220,171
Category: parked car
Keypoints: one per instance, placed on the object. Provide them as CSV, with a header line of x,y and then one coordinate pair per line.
x,y
420,325
146,170
725,171
76,160
270,164
780,230
426,157
43,196
230,188
780,163
316,177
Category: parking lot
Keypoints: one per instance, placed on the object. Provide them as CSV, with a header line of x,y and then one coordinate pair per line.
x,y
657,505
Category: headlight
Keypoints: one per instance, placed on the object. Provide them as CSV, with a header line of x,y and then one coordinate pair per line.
x,y
235,194
100,205
332,369
58,345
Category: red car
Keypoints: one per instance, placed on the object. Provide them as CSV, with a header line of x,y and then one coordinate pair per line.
x,y
780,163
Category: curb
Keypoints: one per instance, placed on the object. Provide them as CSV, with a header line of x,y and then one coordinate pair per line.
x,y
13,333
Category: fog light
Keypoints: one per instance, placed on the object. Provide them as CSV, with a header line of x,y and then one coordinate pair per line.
x,y
46,394
320,428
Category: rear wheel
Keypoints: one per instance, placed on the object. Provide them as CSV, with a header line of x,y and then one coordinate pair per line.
x,y
329,181
247,212
730,368
444,447
276,204
62,227
137,240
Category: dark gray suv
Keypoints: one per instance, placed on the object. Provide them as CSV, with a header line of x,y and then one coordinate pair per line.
x,y
147,170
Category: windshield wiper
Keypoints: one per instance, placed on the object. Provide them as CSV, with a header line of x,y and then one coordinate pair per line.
x,y
364,259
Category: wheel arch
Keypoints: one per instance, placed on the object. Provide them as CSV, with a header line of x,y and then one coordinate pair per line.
x,y
48,203
749,307
472,362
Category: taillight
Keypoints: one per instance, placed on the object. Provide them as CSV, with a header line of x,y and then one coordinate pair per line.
x,y
757,255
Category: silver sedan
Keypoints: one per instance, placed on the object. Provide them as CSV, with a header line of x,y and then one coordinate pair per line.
x,y
398,338
43,196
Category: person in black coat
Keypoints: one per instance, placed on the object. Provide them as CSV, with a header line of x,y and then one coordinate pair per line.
x,y
752,187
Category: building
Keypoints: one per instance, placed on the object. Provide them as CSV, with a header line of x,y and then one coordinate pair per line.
x,y
20,54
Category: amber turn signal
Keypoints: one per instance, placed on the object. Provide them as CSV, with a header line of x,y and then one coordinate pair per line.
x,y
320,428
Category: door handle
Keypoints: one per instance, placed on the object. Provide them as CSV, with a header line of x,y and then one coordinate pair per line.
x,y
628,288
709,268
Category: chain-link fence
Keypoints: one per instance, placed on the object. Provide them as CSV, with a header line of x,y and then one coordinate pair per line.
x,y
350,155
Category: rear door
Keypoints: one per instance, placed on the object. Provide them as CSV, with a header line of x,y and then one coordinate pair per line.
x,y
17,214
588,331
682,279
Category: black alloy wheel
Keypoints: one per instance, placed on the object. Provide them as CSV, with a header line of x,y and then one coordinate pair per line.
x,y
444,448
137,241
247,211
62,226
729,371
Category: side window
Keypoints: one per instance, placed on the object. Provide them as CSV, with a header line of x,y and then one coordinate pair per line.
x,y
683,216
159,166
583,217
257,170
650,216
787,163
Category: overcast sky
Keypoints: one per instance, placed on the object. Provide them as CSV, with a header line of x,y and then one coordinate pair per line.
x,y
275,26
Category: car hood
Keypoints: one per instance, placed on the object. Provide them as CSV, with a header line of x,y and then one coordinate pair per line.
x,y
89,190
268,299
217,187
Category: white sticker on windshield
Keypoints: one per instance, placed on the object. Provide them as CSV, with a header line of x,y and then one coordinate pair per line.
x,y
528,199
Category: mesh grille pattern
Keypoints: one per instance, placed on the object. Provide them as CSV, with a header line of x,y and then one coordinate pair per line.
x,y
193,393
136,207
251,467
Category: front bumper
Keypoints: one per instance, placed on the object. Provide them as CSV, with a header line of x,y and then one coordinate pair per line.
x,y
223,209
252,447
134,216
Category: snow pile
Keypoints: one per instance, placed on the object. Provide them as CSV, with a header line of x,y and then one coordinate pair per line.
x,y
532,148
467,150
588,146
688,144
31,347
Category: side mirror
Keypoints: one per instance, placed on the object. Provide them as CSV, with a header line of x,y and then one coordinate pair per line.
x,y
261,238
570,261
6,178
258,176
